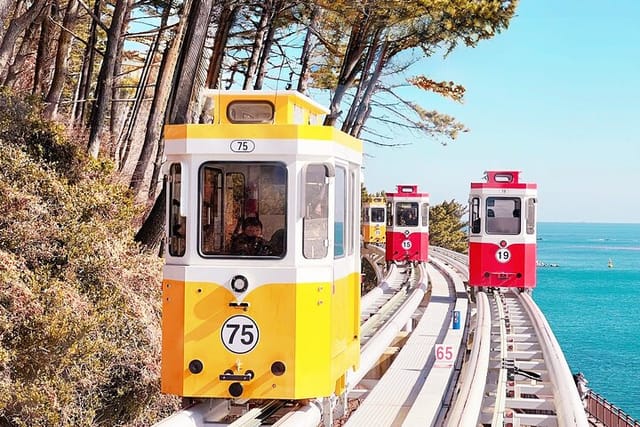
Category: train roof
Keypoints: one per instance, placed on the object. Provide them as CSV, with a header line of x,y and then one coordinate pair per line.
x,y
410,190
502,179
257,106
257,116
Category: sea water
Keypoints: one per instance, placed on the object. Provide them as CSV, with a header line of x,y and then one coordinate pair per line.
x,y
592,308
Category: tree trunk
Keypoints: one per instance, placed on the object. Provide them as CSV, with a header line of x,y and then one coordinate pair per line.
x,y
225,22
84,87
151,234
118,110
367,81
158,108
42,56
26,49
62,60
125,139
269,37
364,105
189,60
106,76
348,71
17,27
305,56
258,42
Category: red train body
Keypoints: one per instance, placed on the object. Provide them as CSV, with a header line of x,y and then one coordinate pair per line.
x,y
407,225
502,232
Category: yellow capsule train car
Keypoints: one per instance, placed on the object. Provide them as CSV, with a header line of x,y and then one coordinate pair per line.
x,y
374,220
261,287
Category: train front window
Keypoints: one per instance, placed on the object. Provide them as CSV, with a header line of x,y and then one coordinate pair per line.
x,y
242,209
407,214
377,215
503,215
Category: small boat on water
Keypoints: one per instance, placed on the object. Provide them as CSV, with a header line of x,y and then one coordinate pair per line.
x,y
610,264
545,264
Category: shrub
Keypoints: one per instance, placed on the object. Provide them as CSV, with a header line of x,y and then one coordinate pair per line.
x,y
79,300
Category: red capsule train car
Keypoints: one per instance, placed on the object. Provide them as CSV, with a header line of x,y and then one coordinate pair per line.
x,y
407,225
502,232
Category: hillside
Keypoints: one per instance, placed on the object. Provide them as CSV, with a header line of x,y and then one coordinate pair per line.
x,y
79,300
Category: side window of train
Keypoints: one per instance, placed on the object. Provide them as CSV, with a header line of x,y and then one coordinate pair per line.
x,y
390,215
315,232
475,215
425,214
352,208
531,215
211,210
177,222
340,207
503,215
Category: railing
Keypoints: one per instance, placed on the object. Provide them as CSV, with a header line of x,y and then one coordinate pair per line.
x,y
606,413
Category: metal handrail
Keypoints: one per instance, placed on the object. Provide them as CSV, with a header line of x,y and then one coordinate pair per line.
x,y
607,413
569,407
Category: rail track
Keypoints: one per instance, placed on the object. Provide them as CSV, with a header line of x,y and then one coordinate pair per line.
x,y
509,370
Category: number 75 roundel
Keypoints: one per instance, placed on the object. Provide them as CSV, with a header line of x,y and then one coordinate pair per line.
x,y
240,334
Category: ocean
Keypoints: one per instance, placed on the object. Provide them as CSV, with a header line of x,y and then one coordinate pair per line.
x,y
594,309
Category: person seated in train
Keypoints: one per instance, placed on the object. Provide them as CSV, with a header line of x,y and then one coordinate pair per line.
x,y
277,242
250,241
408,218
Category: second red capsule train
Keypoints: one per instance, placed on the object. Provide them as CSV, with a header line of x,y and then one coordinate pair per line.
x,y
407,225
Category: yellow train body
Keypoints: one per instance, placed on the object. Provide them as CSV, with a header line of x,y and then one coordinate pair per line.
x,y
306,326
280,326
373,226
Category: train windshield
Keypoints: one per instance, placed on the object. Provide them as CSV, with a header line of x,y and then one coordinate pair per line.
x,y
503,215
243,209
377,215
407,214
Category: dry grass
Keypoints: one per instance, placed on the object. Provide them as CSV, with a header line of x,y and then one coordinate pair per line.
x,y
79,300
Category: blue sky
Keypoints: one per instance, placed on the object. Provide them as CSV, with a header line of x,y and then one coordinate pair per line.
x,y
556,96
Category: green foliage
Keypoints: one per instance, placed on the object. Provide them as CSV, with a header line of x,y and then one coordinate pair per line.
x,y
365,196
79,301
447,228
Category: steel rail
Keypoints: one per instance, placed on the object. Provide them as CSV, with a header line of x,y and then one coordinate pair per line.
x,y
569,407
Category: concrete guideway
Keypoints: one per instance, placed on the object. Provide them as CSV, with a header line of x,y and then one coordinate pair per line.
x,y
418,390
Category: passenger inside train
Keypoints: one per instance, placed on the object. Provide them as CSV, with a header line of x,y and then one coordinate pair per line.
x,y
250,241
406,212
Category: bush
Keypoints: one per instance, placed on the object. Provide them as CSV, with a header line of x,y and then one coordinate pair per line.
x,y
79,300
